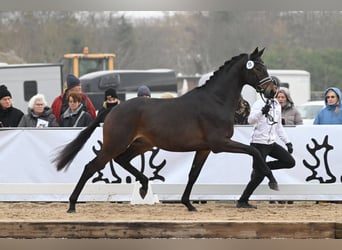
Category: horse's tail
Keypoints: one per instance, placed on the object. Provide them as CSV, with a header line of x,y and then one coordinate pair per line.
x,y
67,154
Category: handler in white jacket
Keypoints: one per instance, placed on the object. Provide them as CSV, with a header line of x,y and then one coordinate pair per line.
x,y
266,119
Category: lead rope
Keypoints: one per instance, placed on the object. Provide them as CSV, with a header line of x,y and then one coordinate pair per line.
x,y
269,117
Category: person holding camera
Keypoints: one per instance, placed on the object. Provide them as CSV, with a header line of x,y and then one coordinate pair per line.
x,y
266,119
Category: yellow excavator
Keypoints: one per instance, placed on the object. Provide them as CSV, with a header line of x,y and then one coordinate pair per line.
x,y
83,63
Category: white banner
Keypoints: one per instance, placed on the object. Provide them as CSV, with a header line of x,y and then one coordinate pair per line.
x,y
26,158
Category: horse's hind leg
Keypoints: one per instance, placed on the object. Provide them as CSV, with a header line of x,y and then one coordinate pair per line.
x,y
136,148
137,174
93,166
197,164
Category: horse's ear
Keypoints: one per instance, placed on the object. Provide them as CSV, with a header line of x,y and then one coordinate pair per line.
x,y
261,52
255,52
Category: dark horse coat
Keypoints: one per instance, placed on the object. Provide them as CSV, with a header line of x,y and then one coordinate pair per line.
x,y
178,124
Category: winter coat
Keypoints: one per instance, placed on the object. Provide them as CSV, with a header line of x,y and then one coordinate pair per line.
x,y
290,115
79,118
60,105
31,119
242,112
10,117
107,105
264,130
328,115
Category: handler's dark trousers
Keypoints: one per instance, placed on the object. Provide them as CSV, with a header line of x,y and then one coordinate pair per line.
x,y
283,160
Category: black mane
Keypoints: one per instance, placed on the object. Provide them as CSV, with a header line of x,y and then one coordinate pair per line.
x,y
225,67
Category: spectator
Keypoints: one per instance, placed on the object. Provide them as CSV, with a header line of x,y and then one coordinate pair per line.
x,y
267,125
242,112
75,116
331,113
9,115
290,115
144,91
60,104
39,115
110,100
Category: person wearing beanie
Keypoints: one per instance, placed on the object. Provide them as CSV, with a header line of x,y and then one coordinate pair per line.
x,y
72,81
9,116
60,104
110,101
144,91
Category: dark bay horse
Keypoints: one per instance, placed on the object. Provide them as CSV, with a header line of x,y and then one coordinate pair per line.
x,y
201,120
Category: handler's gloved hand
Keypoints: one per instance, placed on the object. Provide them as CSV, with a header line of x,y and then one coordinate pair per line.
x,y
289,147
266,109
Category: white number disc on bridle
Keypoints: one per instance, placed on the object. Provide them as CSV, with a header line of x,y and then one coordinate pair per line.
x,y
250,65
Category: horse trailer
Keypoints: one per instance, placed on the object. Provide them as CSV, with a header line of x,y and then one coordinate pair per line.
x,y
26,80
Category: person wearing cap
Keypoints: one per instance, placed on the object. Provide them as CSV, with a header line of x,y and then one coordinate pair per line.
x,y
9,115
266,119
60,103
144,91
110,101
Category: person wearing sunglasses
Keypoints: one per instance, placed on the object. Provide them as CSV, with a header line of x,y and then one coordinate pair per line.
x,y
331,113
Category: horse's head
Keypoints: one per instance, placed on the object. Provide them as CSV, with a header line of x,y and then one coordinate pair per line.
x,y
257,75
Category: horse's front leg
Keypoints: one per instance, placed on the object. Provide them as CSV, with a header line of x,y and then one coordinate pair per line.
x,y
197,164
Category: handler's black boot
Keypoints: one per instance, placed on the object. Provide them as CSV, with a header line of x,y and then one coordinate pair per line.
x,y
244,204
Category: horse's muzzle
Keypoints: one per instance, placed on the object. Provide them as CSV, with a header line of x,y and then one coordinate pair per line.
x,y
269,92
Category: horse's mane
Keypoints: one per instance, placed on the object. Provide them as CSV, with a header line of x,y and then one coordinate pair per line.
x,y
225,67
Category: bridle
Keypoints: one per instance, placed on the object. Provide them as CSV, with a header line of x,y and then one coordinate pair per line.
x,y
262,82
250,66
260,87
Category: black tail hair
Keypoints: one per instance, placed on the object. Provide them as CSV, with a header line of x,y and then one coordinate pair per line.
x,y
67,154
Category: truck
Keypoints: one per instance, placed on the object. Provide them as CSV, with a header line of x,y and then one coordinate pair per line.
x,y
26,80
79,64
297,81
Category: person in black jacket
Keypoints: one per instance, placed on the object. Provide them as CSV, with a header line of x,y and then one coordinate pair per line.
x,y
39,114
110,101
75,116
9,116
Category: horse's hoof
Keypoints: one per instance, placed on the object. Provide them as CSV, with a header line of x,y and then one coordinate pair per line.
x,y
191,208
142,192
273,186
72,208
244,204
